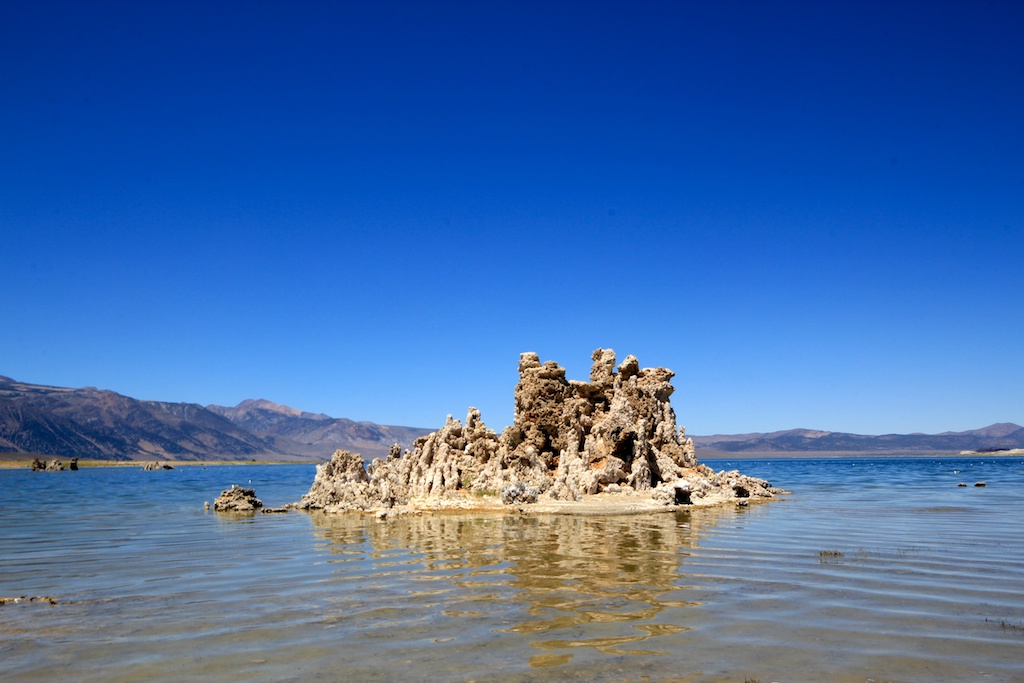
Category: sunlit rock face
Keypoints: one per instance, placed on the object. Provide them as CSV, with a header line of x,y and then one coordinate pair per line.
x,y
237,499
568,440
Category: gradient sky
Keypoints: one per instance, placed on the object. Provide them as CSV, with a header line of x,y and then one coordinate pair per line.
x,y
812,211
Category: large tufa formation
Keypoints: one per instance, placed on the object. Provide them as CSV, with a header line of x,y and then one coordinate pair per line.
x,y
568,439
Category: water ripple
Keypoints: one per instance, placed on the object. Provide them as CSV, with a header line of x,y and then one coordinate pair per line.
x,y
879,570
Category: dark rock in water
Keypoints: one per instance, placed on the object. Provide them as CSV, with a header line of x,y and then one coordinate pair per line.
x,y
237,499
962,484
979,483
681,493
73,465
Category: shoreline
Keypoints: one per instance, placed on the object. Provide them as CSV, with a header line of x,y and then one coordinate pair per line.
x,y
13,461
599,504
23,462
707,454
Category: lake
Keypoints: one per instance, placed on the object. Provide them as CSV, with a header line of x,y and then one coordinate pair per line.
x,y
872,570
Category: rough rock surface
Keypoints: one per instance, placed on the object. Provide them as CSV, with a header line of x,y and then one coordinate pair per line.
x,y
53,465
237,499
570,440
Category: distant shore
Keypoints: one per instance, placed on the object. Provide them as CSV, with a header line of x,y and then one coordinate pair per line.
x,y
24,460
709,454
13,461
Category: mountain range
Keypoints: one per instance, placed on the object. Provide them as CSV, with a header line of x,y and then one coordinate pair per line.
x,y
996,437
104,425
315,435
92,423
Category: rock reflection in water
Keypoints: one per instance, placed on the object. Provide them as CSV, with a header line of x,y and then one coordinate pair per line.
x,y
607,585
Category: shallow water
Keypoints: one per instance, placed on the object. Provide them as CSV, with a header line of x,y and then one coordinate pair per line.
x,y
879,570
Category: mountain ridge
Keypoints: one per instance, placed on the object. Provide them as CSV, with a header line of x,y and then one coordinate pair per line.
x,y
102,424
998,436
316,434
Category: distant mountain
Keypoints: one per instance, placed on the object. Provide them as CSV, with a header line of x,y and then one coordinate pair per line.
x,y
104,425
994,437
316,434
93,423
995,431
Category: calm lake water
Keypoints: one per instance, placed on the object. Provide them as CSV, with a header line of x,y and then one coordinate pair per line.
x,y
872,570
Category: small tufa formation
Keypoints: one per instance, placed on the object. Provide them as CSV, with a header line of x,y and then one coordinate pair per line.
x,y
568,440
26,598
237,499
155,466
53,465
518,493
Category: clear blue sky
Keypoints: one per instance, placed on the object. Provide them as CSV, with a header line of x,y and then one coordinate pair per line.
x,y
812,211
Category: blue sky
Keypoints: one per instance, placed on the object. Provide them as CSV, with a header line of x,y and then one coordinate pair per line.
x,y
812,212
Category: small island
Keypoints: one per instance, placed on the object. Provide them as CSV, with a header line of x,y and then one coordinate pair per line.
x,y
603,446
